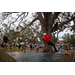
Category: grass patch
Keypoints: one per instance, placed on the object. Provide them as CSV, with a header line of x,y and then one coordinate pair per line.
x,y
32,56
4,57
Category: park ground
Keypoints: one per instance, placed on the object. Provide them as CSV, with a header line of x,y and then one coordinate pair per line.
x,y
4,57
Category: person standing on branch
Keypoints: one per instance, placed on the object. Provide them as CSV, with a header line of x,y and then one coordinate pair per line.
x,y
55,26
49,42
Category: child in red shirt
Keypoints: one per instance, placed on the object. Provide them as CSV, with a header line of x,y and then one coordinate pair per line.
x,y
37,48
49,42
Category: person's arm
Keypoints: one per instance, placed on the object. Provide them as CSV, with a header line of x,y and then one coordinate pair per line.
x,y
48,36
43,39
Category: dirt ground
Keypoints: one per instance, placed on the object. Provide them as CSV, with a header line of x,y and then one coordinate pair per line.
x,y
68,58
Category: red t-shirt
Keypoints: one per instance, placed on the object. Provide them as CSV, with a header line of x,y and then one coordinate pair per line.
x,y
7,45
47,38
22,45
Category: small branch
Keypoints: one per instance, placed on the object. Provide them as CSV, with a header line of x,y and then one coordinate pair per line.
x,y
28,25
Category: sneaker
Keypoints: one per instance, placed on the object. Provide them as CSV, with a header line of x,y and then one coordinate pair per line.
x,y
66,54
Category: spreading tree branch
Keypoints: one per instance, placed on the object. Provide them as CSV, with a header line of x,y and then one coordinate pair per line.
x,y
27,25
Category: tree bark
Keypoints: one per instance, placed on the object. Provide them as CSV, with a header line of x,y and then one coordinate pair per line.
x,y
54,38
47,48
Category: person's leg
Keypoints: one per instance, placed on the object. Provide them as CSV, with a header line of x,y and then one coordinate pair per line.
x,y
36,50
22,48
66,52
51,43
25,49
61,49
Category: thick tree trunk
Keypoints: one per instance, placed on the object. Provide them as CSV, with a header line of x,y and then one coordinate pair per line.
x,y
47,48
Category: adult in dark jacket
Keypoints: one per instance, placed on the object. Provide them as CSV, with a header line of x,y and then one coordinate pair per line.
x,y
49,42
56,25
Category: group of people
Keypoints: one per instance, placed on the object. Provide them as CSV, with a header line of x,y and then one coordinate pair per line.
x,y
6,45
45,39
31,46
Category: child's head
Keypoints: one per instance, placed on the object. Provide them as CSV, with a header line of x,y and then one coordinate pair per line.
x,y
26,40
56,21
65,42
4,35
44,34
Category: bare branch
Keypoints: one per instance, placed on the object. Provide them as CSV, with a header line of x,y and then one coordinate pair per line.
x,y
28,25
24,15
55,15
62,24
40,17
18,17
72,18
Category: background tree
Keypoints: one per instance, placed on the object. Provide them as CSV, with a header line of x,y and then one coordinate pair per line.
x,y
73,27
69,38
72,40
66,37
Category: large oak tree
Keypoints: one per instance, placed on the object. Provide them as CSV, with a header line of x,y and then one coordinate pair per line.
x,y
46,19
